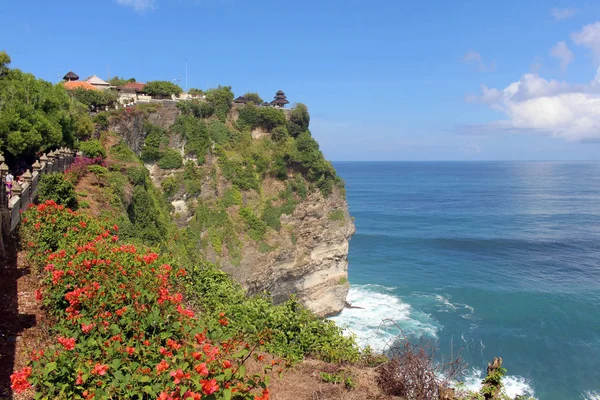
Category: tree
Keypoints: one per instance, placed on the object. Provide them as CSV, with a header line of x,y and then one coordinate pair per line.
x,y
299,120
4,61
196,92
254,98
162,89
95,99
118,81
36,115
220,99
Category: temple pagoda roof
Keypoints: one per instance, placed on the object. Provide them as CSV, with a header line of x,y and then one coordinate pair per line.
x,y
71,76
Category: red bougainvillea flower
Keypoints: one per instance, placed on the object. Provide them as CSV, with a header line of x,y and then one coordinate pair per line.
x,y
68,343
164,396
100,369
266,395
173,344
201,369
38,295
179,375
209,386
162,366
79,380
200,338
87,328
195,396
18,380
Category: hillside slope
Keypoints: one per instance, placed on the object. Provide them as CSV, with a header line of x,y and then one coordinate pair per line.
x,y
250,191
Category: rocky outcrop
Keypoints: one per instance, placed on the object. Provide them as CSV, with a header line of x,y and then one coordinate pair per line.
x,y
309,257
130,122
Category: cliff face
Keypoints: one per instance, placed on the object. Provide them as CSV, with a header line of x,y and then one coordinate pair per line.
x,y
310,256
306,256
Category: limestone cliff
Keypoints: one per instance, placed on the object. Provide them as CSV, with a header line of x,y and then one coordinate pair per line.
x,y
303,249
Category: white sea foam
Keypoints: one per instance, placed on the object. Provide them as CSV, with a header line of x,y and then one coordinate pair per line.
x,y
513,385
591,395
382,317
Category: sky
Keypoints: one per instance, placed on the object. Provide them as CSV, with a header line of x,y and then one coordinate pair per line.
x,y
383,80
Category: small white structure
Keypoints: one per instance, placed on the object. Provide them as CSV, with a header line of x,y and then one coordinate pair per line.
x,y
98,83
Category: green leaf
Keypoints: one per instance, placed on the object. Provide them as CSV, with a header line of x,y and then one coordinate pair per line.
x,y
241,371
227,394
51,366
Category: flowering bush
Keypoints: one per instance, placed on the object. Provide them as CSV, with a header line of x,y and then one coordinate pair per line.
x,y
122,329
78,168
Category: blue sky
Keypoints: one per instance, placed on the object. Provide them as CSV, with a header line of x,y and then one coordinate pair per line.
x,y
383,80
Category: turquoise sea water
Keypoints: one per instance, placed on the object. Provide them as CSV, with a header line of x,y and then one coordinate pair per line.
x,y
487,259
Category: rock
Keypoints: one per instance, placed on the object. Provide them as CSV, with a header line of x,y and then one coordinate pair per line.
x,y
314,268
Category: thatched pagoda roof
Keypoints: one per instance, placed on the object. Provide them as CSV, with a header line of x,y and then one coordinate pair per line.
x,y
241,100
71,76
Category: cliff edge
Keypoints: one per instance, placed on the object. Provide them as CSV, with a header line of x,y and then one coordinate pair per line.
x,y
251,192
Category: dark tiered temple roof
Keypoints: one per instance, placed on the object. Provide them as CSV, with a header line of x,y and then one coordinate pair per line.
x,y
280,99
71,76
241,100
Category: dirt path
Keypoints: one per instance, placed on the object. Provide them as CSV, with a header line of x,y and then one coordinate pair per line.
x,y
21,317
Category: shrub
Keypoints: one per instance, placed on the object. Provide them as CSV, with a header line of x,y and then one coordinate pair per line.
x,y
294,330
122,152
122,328
241,175
256,227
156,137
199,109
279,133
92,149
317,169
137,175
169,185
265,117
194,131
79,168
220,99
254,98
99,172
337,215
101,120
412,371
55,187
170,159
162,89
232,196
218,132
143,212
299,120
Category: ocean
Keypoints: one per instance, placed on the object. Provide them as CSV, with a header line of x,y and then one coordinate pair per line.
x,y
485,259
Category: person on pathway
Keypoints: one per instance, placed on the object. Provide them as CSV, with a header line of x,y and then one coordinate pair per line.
x,y
9,184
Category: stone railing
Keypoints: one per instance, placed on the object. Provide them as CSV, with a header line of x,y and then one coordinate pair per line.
x,y
25,193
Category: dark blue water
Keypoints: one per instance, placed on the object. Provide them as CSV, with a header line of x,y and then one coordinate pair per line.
x,y
487,259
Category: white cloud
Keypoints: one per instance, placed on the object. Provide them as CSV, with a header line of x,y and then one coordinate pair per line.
x,y
138,5
562,52
474,57
536,105
563,13
589,37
